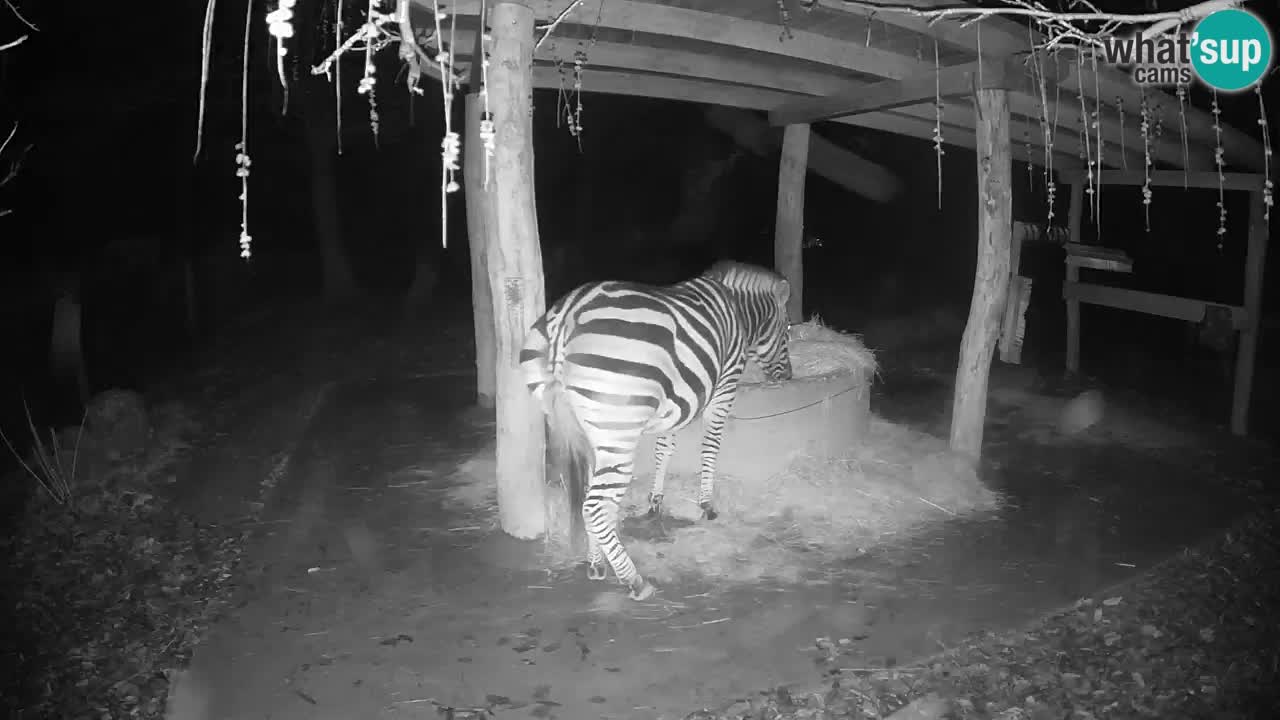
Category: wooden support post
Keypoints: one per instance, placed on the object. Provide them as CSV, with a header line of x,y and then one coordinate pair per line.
x,y
788,235
991,277
1246,355
1014,306
515,269
473,177
1075,216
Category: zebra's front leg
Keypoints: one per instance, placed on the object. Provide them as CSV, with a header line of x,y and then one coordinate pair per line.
x,y
715,416
663,447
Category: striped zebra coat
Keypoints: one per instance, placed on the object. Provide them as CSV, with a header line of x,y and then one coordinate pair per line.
x,y
611,361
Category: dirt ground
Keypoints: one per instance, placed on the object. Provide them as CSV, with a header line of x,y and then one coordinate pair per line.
x,y
360,595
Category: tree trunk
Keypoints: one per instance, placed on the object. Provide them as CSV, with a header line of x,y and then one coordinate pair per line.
x,y
66,344
515,269
426,275
788,236
991,277
339,283
478,236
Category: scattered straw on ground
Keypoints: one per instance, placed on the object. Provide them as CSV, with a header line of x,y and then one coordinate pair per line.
x,y
821,509
890,485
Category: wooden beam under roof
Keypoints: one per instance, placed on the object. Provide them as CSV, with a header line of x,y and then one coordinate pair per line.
x,y
722,30
715,93
1248,182
688,63
928,86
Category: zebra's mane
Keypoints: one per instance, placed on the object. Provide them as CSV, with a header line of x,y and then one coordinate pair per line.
x,y
743,276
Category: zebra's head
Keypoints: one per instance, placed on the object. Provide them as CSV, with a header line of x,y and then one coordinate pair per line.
x,y
771,349
764,295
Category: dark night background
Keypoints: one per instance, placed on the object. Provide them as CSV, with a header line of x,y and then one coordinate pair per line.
x,y
107,96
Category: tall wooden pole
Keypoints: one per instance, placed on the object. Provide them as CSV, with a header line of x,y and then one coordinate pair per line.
x,y
788,239
1075,217
515,269
473,177
991,278
1246,354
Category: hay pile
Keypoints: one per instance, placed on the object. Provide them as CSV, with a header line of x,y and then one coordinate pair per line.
x,y
890,485
818,351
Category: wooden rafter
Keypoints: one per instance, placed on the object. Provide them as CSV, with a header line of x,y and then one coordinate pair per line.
x,y
1249,182
702,91
721,30
930,85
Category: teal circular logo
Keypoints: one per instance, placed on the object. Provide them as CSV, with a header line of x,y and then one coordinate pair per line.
x,y
1231,49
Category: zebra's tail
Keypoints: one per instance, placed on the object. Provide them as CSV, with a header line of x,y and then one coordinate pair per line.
x,y
571,454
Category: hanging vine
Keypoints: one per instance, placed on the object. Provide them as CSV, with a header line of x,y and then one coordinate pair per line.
x,y
488,135
1146,162
1219,159
1087,156
337,71
242,147
937,122
280,26
1097,129
451,143
1268,185
1124,153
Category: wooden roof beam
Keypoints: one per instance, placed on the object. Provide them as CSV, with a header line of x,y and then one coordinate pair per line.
x,y
716,93
1248,182
719,29
948,82
685,63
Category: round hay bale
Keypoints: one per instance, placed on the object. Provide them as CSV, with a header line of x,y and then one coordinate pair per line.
x,y
823,409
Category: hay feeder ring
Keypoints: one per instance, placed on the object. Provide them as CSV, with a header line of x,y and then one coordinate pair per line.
x,y
821,411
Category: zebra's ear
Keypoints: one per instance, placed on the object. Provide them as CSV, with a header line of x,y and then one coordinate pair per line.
x,y
782,291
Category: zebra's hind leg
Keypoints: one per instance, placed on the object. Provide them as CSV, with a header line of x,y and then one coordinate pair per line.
x,y
602,515
595,568
663,447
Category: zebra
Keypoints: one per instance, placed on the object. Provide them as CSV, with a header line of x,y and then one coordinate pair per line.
x,y
611,361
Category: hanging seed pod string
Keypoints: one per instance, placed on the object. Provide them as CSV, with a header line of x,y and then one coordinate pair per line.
x,y
1268,185
242,147
1181,92
337,75
1146,162
937,121
451,143
488,133
280,25
1097,127
1026,129
367,82
1219,158
1084,135
1124,155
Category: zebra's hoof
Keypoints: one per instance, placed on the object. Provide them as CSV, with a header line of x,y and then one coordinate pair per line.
x,y
709,512
596,572
642,589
